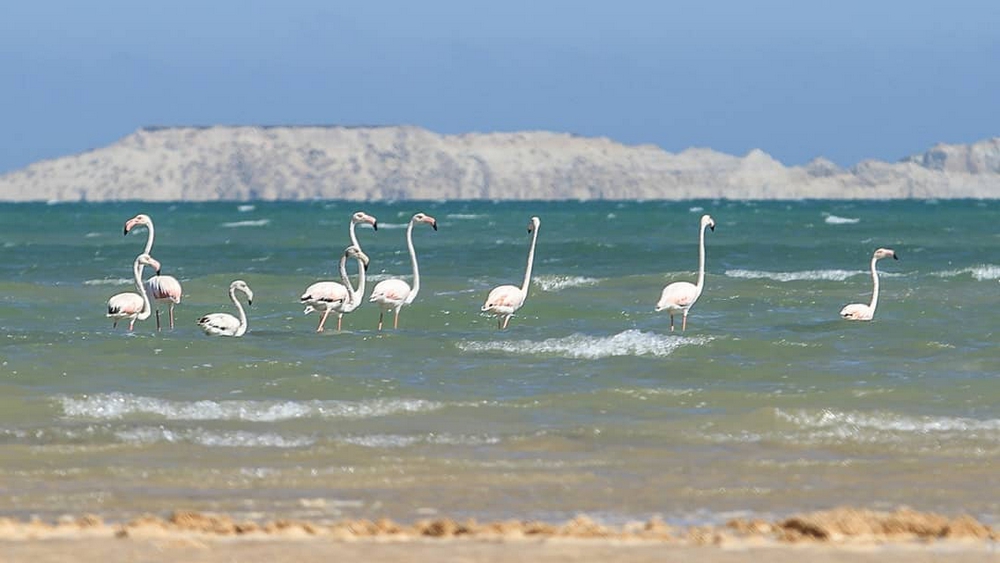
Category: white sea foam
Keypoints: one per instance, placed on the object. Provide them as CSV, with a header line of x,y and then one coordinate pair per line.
x,y
830,275
110,281
382,226
469,216
115,406
882,421
245,208
627,343
226,439
835,220
400,441
982,272
251,223
559,283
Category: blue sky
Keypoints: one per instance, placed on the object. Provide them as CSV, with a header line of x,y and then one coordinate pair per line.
x,y
847,80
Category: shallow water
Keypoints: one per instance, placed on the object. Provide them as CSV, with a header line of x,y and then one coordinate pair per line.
x,y
768,403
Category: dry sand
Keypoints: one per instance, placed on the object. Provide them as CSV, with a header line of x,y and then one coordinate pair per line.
x,y
836,535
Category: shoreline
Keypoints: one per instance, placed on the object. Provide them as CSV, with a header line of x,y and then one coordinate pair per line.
x,y
903,535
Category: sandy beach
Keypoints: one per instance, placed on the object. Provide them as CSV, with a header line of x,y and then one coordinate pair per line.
x,y
837,535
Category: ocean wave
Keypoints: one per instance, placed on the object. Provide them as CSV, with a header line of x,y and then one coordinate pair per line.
x,y
245,208
559,283
470,216
827,275
400,441
983,272
252,223
115,406
853,422
110,281
226,439
835,220
627,343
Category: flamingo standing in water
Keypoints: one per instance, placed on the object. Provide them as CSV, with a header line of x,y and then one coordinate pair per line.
x,y
224,324
340,298
392,294
679,297
504,300
860,311
130,305
161,288
327,296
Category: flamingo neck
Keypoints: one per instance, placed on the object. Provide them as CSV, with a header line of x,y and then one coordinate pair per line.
x,y
239,307
360,293
352,295
875,286
150,234
701,261
354,237
137,269
413,259
531,262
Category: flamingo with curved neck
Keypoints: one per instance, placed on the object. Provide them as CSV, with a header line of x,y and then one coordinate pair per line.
x,y
133,306
161,288
393,294
679,297
340,298
224,324
860,311
505,300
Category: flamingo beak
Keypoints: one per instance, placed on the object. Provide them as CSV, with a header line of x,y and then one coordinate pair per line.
x,y
434,224
895,256
712,227
375,225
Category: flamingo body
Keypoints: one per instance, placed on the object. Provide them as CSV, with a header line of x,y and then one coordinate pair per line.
x,y
161,288
503,301
679,297
393,294
224,324
132,306
334,297
860,311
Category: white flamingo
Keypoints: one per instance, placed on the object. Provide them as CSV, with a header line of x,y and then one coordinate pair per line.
x,y
860,311
130,305
161,288
224,324
679,297
504,300
392,294
327,296
340,298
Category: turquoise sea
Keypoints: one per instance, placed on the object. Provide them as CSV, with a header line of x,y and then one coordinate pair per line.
x,y
768,404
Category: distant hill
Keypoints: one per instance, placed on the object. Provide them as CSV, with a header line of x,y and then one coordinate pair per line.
x,y
379,163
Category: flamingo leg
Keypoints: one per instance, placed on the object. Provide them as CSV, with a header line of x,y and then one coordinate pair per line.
x,y
114,325
322,321
671,322
506,320
131,324
395,319
499,322
157,321
171,316
381,313
684,322
340,318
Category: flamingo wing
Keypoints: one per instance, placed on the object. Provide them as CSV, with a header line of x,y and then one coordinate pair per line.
x,y
164,288
390,292
678,295
324,295
504,299
124,305
219,324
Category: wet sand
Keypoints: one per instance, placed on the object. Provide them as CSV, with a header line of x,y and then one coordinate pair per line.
x,y
836,535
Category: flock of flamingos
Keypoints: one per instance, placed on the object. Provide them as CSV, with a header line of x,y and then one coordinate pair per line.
x,y
392,294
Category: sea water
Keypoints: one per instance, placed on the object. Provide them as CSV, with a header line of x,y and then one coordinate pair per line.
x,y
767,404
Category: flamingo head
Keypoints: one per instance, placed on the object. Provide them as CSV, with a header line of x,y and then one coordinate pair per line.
x,y
422,218
242,286
707,221
147,260
140,219
355,252
533,224
362,217
885,253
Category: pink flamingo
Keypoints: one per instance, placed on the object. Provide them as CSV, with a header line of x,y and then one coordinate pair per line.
x,y
161,288
327,296
504,300
340,298
224,324
130,305
394,293
679,297
860,311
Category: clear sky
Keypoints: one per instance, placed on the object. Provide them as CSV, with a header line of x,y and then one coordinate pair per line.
x,y
846,79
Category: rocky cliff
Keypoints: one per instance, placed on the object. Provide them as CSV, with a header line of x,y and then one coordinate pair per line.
x,y
376,163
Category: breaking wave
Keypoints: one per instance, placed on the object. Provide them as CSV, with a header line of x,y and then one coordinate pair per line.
x,y
627,343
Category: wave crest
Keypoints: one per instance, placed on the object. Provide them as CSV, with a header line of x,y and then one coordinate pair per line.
x,y
559,283
827,275
581,346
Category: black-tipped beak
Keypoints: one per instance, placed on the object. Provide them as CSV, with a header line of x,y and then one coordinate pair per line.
x,y
249,301
375,225
895,256
712,227
435,225
366,267
157,272
125,231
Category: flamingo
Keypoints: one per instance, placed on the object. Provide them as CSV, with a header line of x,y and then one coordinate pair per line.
x,y
338,297
224,324
392,294
679,297
504,300
130,305
161,288
860,311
